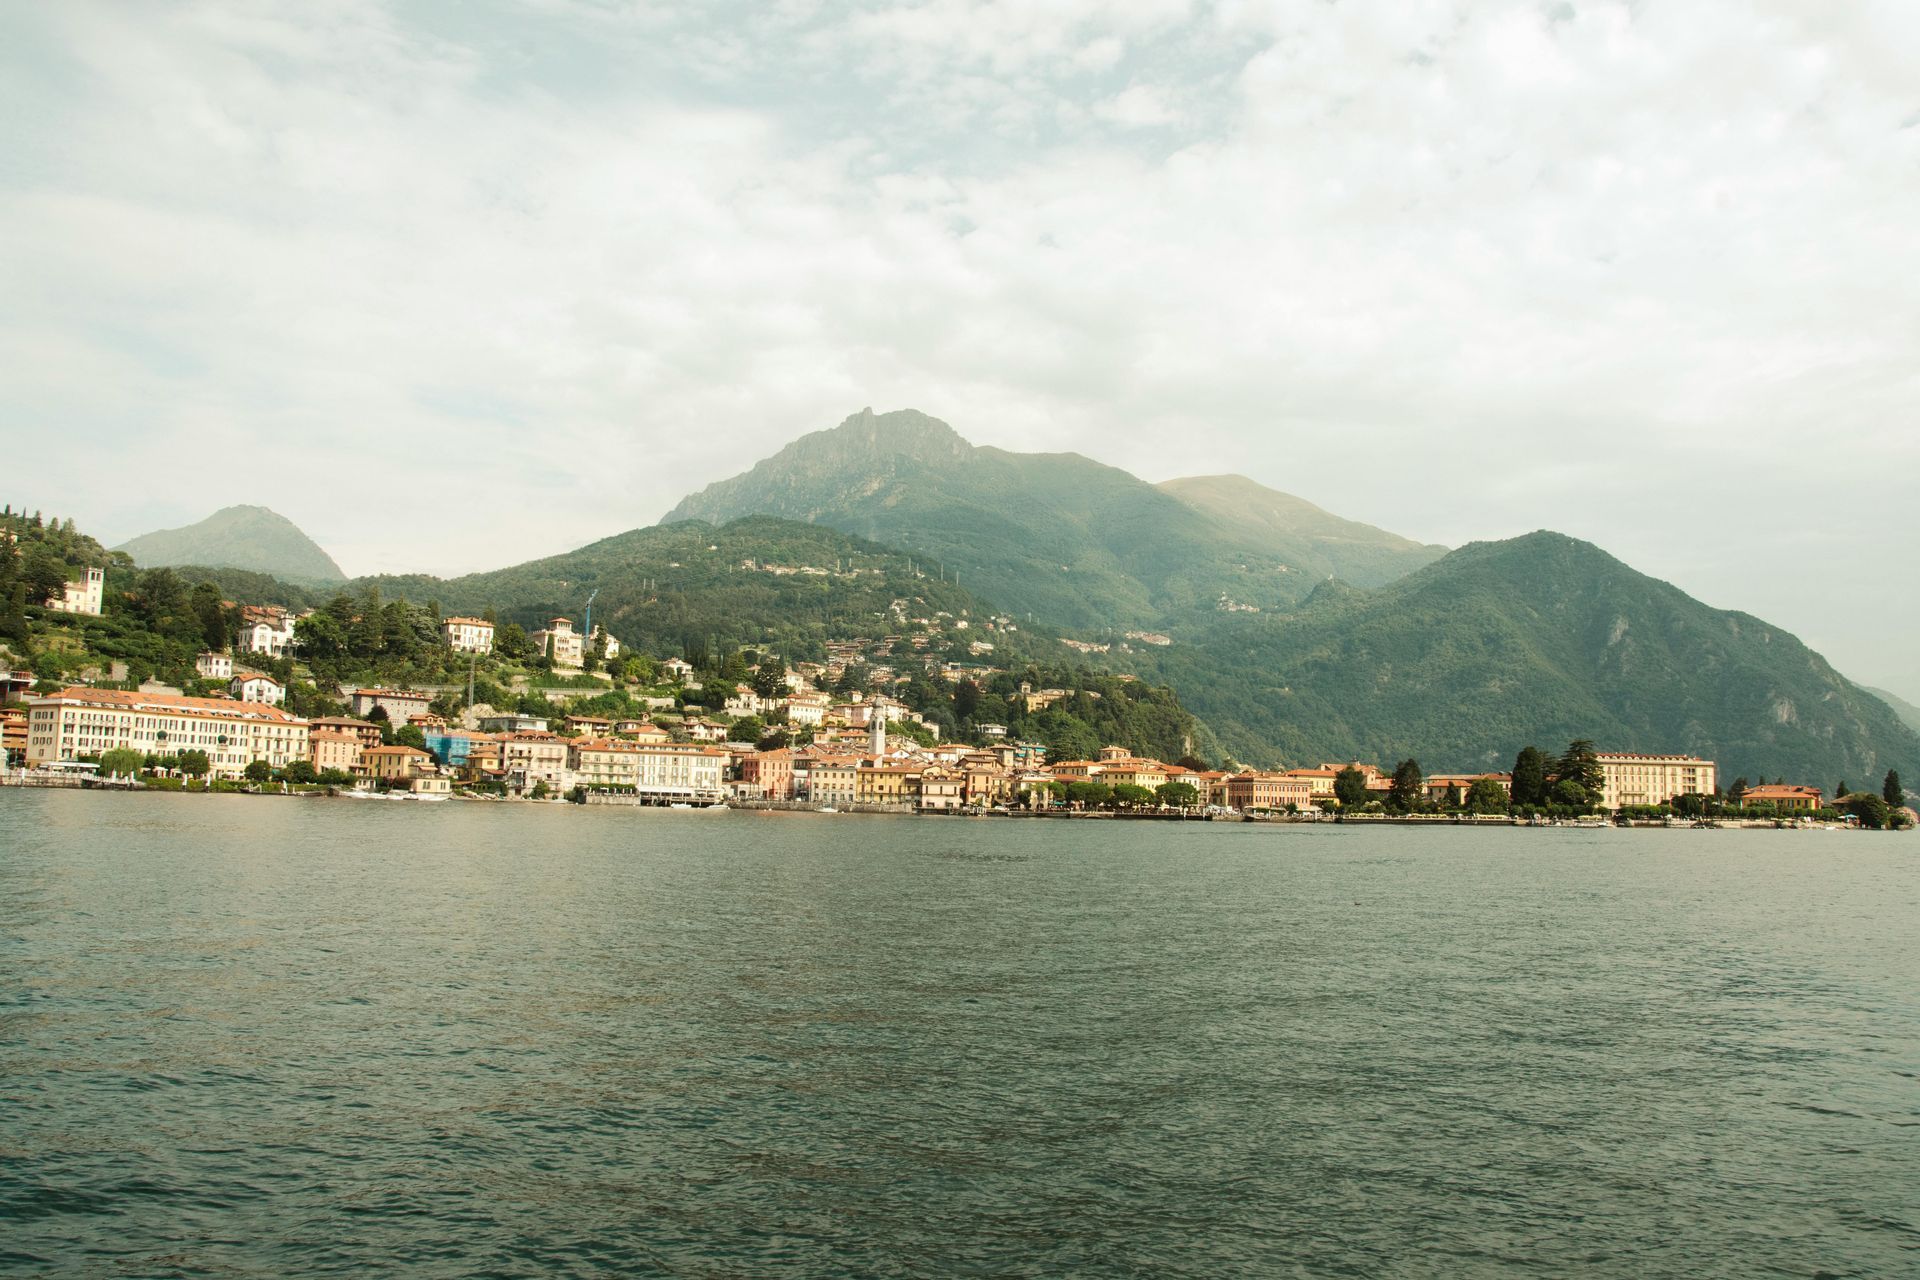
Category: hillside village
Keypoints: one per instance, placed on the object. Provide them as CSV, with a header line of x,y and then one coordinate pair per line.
x,y
915,718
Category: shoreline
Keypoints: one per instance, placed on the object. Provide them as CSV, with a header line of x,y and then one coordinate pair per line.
x,y
770,807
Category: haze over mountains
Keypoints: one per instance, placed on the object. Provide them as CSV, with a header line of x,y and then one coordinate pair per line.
x,y
239,537
1296,635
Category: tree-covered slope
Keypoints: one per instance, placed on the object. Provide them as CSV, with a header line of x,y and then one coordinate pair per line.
x,y
1305,536
1538,639
684,586
252,538
1069,540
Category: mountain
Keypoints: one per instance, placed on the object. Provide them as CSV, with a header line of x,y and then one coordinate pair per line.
x,y
1056,535
1307,537
252,538
1538,639
1908,713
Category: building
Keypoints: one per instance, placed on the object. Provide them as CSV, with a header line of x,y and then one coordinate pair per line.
x,y
705,730
384,764
1450,790
529,757
400,705
681,771
331,749
641,731
604,763
214,666
514,723
467,635
806,708
1629,779
677,669
559,641
251,686
833,780
266,629
1251,791
1785,797
79,722
768,775
893,784
603,641
365,730
941,788
87,594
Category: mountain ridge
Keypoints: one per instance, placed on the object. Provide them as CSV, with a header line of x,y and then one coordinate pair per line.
x,y
1059,535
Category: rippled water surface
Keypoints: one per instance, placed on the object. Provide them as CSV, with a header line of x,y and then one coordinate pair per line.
x,y
252,1037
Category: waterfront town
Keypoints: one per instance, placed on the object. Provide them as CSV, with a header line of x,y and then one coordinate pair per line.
x,y
834,751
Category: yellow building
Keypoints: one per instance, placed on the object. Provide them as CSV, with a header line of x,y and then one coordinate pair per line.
x,y
1631,779
80,722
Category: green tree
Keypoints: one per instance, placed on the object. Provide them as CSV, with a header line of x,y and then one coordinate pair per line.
x,y
747,729
1178,795
511,643
1530,777
1570,793
193,763
1870,809
1737,793
1486,796
300,772
1131,795
216,627
770,681
1840,790
259,771
1089,794
121,762
410,735
1350,788
1892,792
1405,796
1580,763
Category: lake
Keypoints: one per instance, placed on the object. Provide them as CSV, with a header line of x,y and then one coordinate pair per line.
x,y
259,1037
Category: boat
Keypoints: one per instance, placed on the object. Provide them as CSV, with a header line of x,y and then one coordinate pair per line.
x,y
827,808
679,804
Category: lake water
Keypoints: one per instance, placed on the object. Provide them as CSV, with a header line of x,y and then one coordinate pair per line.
x,y
252,1037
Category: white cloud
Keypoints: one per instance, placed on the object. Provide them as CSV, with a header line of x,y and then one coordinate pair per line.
x,y
1642,271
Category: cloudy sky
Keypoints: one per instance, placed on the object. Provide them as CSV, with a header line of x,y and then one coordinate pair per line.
x,y
452,285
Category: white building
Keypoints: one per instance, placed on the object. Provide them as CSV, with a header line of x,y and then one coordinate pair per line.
x,y
251,686
266,629
603,636
677,668
214,666
80,722
562,643
467,635
681,771
85,595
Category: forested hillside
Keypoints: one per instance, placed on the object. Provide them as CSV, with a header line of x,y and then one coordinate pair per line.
x,y
1538,639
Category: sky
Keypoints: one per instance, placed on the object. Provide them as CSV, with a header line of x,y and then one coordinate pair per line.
x,y
453,286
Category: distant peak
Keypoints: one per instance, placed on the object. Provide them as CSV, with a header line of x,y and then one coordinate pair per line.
x,y
905,431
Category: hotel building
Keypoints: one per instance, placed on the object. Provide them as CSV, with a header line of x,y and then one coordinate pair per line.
x,y
1631,779
80,722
